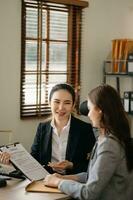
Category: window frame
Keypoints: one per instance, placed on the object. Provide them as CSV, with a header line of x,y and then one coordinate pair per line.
x,y
73,55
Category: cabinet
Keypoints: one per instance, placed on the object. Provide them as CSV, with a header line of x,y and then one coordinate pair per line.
x,y
118,78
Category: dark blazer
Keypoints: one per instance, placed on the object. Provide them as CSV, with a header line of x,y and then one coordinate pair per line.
x,y
81,140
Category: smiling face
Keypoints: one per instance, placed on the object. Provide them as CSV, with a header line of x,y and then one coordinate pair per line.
x,y
61,105
94,114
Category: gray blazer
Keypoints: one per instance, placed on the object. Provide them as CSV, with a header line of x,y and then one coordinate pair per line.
x,y
107,175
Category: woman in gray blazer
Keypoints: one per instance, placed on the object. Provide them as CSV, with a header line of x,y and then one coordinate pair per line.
x,y
111,160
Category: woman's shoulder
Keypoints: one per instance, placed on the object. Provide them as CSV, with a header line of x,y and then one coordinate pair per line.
x,y
45,122
111,144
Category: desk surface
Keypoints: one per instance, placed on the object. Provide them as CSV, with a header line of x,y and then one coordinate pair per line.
x,y
15,190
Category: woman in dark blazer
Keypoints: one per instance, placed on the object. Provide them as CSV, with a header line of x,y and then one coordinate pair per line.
x,y
79,140
79,145
63,143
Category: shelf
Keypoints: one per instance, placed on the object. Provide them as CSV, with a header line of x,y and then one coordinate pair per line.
x,y
117,74
118,67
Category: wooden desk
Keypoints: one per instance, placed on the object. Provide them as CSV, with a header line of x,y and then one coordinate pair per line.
x,y
15,190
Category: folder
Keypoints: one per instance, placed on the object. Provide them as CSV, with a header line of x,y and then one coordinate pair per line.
x,y
130,63
120,51
38,186
131,102
120,55
127,101
115,50
127,50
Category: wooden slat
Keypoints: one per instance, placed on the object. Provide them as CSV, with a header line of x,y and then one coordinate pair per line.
x,y
71,2
79,3
73,44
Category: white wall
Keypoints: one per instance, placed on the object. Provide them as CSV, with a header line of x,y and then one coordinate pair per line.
x,y
10,56
104,20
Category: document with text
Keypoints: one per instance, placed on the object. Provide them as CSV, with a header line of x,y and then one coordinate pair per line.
x,y
20,157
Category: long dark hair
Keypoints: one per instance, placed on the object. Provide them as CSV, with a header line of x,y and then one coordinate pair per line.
x,y
114,119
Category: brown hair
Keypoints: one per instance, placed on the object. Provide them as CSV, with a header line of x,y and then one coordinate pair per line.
x,y
114,118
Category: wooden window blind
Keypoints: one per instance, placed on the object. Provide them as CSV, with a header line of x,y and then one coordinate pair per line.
x,y
50,51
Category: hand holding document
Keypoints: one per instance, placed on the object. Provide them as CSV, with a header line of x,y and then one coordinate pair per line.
x,y
30,167
5,158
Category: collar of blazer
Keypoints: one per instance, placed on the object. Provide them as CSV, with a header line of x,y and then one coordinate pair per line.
x,y
73,138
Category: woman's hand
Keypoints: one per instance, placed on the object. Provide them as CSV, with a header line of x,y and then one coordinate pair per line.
x,y
61,165
52,180
5,158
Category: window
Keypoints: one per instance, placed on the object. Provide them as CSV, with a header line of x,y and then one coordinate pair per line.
x,y
51,34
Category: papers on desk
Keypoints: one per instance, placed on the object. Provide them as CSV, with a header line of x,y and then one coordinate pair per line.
x,y
30,167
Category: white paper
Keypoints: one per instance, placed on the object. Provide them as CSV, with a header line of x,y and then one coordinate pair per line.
x,y
131,107
32,169
126,105
130,66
